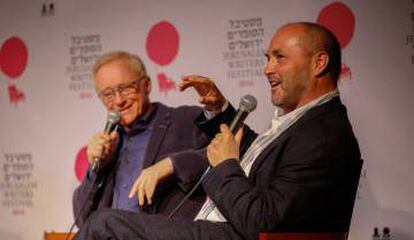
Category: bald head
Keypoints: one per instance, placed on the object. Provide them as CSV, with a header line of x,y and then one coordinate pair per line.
x,y
303,63
314,38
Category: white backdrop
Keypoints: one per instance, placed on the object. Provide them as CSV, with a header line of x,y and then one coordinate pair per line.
x,y
49,109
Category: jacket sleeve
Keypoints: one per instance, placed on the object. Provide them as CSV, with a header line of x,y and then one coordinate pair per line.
x,y
190,171
83,196
189,166
94,192
211,127
189,163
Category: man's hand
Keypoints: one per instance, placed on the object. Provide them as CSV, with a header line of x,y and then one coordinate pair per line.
x,y
147,181
209,94
101,146
224,146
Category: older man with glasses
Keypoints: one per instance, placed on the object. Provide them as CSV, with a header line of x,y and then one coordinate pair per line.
x,y
143,166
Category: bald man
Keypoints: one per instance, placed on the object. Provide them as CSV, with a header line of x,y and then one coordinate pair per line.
x,y
300,175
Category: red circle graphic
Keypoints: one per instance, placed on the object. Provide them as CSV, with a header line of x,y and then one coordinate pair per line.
x,y
162,43
81,164
340,19
14,55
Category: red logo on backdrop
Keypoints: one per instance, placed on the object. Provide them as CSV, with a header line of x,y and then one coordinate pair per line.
x,y
13,62
340,19
81,164
162,47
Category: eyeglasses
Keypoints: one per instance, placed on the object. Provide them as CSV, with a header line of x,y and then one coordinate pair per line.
x,y
123,89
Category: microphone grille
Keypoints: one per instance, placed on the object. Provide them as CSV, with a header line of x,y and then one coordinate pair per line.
x,y
114,117
248,103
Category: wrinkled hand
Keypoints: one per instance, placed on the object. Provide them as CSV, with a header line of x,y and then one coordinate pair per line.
x,y
224,146
101,146
209,94
147,181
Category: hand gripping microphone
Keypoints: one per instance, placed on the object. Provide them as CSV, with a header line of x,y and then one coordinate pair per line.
x,y
110,125
247,104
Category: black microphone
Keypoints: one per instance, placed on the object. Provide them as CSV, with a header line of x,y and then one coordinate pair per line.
x,y
110,125
247,104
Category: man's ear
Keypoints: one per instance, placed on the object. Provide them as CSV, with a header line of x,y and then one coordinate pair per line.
x,y
320,63
147,85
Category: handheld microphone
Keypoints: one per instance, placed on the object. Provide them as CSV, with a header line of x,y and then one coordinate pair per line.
x,y
110,125
247,104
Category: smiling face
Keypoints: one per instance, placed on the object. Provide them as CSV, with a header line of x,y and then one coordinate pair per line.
x,y
288,68
130,89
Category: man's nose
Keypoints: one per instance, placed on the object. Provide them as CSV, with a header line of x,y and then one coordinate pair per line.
x,y
267,69
118,98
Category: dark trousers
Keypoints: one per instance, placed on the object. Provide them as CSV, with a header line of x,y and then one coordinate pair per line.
x,y
110,224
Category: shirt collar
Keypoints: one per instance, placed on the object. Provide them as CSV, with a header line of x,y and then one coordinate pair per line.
x,y
280,115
